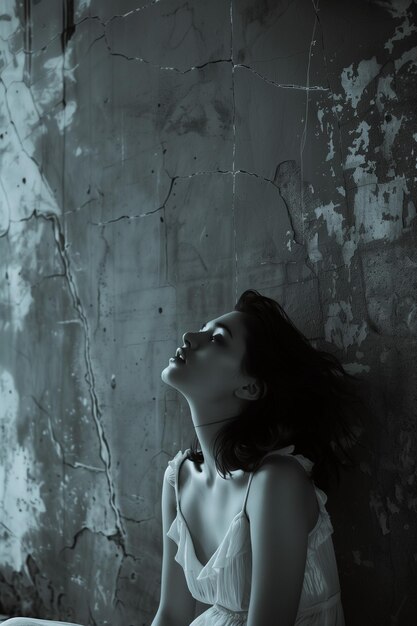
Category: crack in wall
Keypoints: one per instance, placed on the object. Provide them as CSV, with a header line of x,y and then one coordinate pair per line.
x,y
80,207
59,449
101,269
286,172
304,133
144,6
77,535
68,25
282,85
105,454
125,554
116,599
29,51
131,217
125,217
276,183
206,63
27,36
90,468
89,377
69,30
234,149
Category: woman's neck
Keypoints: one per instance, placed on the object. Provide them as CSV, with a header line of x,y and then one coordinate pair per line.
x,y
207,432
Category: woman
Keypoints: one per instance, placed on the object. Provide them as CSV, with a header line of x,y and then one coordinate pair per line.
x,y
245,528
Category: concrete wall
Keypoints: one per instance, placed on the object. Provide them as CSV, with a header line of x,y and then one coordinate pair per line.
x,y
156,161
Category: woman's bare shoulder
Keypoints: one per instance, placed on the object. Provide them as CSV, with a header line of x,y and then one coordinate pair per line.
x,y
282,479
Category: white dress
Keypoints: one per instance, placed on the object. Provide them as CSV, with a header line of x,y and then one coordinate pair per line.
x,y
224,581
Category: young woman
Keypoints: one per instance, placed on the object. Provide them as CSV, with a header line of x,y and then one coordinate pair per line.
x,y
245,527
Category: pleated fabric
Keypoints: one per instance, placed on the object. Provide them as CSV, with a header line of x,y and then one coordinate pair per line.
x,y
224,581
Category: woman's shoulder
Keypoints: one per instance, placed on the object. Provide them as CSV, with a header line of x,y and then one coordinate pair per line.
x,y
281,463
278,480
172,465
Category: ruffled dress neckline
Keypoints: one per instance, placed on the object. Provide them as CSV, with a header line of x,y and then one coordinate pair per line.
x,y
225,580
241,515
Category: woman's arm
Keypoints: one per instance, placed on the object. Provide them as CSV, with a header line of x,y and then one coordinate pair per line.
x,y
277,508
176,606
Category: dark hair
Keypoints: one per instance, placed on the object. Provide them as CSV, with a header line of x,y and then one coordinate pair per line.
x,y
309,401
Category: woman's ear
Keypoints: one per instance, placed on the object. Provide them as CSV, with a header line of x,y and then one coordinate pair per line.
x,y
252,391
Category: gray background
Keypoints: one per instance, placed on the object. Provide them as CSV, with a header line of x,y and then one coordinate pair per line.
x,y
156,161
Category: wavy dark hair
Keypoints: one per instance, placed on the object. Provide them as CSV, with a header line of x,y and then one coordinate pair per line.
x,y
310,399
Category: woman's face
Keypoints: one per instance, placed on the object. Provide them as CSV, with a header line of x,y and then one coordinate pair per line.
x,y
214,354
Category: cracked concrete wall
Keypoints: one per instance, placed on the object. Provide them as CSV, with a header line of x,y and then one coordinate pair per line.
x,y
150,165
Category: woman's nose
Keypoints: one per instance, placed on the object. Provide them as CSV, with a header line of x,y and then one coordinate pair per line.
x,y
186,338
189,338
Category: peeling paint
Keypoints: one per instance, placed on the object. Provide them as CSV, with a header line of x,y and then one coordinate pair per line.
x,y
384,92
339,328
378,210
401,31
314,253
396,8
354,82
65,117
357,152
20,499
409,56
333,220
15,288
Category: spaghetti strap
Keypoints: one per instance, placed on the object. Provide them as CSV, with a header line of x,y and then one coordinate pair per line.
x,y
246,494
287,450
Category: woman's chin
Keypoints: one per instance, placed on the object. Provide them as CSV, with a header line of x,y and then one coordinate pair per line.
x,y
168,374
165,374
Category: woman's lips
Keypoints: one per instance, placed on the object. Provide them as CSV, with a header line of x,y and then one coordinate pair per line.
x,y
177,359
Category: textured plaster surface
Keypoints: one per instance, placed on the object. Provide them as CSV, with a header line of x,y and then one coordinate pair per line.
x,y
156,160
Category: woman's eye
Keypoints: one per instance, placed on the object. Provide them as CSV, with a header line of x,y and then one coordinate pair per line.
x,y
217,338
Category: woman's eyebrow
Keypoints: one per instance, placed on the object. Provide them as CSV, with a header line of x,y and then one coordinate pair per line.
x,y
220,325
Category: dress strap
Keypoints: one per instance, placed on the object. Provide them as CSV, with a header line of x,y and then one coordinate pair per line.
x,y
288,450
173,468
